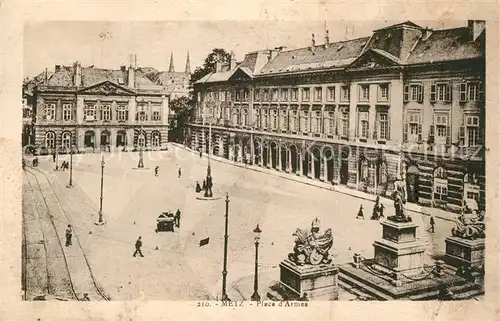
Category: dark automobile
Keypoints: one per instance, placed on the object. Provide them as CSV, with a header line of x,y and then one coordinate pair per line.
x,y
165,222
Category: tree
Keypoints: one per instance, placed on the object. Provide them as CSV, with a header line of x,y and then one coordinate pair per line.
x,y
217,55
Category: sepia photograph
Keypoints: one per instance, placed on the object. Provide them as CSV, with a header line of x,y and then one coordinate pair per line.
x,y
276,159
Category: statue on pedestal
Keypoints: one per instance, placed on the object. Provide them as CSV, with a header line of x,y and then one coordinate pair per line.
x,y
311,247
469,225
399,197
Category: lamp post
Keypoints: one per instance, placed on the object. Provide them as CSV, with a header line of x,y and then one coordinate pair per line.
x,y
100,222
255,295
71,167
224,271
57,159
208,190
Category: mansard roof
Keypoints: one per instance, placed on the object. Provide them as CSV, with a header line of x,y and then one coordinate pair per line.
x,y
447,45
335,55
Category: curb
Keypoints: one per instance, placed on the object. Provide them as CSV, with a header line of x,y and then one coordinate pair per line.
x,y
257,169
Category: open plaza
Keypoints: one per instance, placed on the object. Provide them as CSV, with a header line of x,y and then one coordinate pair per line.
x,y
174,265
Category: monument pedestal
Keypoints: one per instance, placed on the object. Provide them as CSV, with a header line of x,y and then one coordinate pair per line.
x,y
464,252
317,281
399,251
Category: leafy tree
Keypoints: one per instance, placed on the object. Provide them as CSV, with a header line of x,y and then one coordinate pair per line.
x,y
217,54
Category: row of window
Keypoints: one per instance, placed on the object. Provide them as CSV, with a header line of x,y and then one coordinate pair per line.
x,y
89,139
440,130
439,92
105,113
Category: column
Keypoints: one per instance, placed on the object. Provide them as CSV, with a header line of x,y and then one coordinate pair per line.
x,y
112,139
80,106
312,169
97,144
130,139
299,168
80,139
252,149
240,153
269,155
261,157
289,160
279,156
324,169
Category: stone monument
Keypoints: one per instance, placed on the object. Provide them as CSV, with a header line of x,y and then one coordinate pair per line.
x,y
309,271
399,251
465,248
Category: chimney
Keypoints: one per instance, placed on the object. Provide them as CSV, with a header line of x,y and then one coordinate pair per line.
x,y
232,61
273,53
57,68
327,39
77,74
427,33
131,71
218,65
313,43
476,27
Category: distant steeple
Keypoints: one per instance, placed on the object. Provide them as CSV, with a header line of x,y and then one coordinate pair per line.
x,y
171,68
188,65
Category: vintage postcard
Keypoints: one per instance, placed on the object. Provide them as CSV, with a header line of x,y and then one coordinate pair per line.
x,y
264,160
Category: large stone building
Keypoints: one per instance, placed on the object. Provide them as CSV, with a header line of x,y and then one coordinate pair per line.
x,y
99,109
405,102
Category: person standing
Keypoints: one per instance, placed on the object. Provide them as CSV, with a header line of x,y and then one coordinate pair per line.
x,y
432,223
53,158
157,168
138,245
199,150
180,173
381,211
360,213
178,218
69,234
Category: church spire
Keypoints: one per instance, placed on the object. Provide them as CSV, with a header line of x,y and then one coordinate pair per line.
x,y
188,65
171,68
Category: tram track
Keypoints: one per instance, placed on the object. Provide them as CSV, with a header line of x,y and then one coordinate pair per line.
x,y
55,213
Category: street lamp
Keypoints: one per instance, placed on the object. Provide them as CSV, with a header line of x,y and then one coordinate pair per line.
x,y
224,271
71,167
255,295
101,222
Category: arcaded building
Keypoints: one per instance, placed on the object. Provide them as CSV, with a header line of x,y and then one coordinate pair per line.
x,y
405,102
96,109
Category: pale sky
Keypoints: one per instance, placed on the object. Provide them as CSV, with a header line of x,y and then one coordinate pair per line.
x,y
61,43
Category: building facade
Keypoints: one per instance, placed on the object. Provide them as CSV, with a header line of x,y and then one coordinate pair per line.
x,y
99,109
404,103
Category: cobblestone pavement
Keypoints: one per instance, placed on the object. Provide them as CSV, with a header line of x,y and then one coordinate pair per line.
x,y
180,268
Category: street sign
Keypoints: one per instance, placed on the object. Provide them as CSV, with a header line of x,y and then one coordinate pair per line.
x,y
204,241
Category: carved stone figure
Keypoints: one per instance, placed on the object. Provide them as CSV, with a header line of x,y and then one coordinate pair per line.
x,y
399,197
311,247
469,225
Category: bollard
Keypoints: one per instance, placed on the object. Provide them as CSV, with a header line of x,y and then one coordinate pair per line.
x,y
357,260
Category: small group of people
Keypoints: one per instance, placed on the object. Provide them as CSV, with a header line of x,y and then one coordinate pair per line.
x,y
64,165
157,171
35,162
378,210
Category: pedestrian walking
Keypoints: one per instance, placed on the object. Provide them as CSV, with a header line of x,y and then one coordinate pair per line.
x,y
178,218
432,223
53,158
360,213
199,150
138,245
180,173
157,168
381,211
69,234
376,207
